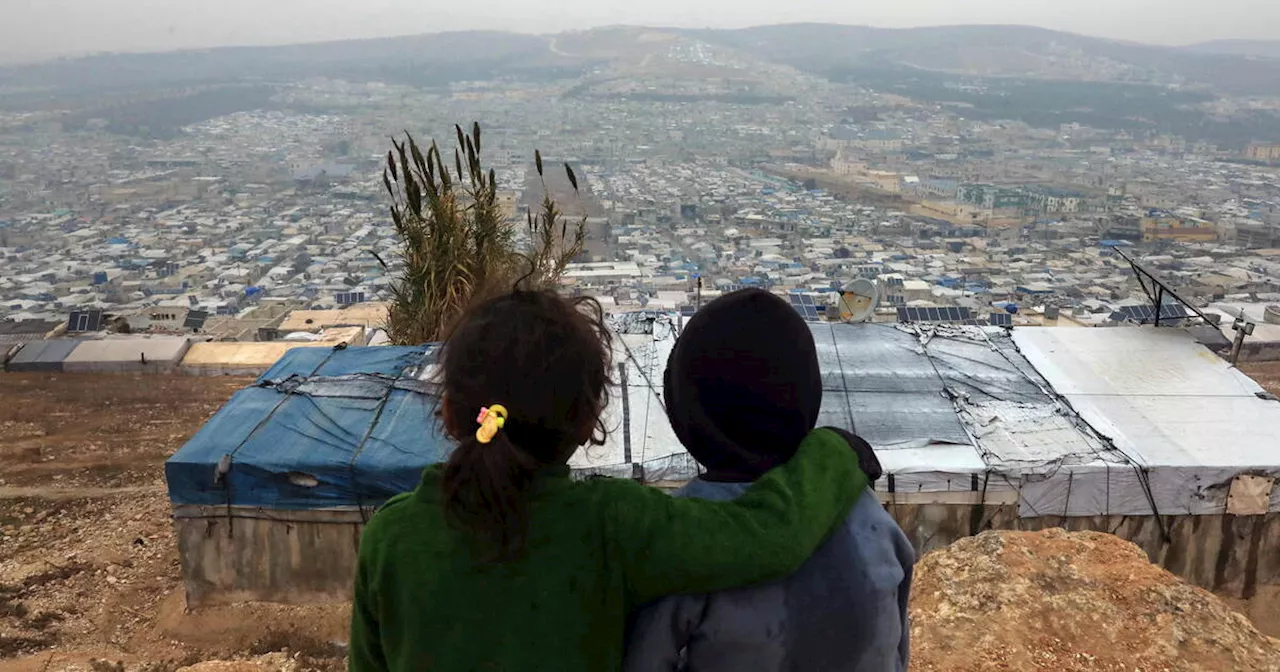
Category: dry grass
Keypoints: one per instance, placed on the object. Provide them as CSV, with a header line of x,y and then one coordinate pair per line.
x,y
457,246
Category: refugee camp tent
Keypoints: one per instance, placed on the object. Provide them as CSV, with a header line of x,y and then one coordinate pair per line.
x,y
1138,431
324,428
270,494
46,356
239,358
129,354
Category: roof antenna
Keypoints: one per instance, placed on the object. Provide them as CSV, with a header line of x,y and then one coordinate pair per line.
x,y
1243,327
858,300
1160,289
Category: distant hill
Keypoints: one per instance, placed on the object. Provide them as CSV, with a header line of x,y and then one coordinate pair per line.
x,y
1001,51
821,49
426,59
1258,48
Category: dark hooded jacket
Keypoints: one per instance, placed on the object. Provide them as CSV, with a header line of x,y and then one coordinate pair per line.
x,y
743,387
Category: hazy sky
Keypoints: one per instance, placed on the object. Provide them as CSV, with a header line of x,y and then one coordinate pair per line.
x,y
38,28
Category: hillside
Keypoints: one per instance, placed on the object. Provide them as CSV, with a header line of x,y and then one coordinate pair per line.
x,y
89,570
1001,51
1256,48
436,59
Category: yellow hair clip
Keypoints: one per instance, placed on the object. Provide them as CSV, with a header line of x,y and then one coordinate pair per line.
x,y
491,419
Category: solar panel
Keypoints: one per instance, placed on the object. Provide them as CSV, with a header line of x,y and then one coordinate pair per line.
x,y
83,321
1146,314
195,320
1171,310
808,313
942,315
1000,320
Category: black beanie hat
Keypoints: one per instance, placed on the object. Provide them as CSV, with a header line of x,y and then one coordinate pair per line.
x,y
743,387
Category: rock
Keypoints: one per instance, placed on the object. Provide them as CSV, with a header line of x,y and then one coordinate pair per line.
x,y
1068,602
271,662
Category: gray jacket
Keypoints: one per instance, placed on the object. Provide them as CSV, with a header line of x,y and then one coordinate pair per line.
x,y
845,609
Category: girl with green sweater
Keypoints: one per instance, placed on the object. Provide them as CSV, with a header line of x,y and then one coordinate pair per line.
x,y
500,561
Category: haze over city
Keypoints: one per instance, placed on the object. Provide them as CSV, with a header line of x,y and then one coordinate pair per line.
x,y
43,28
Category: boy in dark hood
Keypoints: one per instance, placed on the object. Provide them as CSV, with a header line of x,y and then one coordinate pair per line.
x,y
743,388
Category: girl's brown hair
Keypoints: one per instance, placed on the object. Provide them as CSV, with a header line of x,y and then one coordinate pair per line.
x,y
546,359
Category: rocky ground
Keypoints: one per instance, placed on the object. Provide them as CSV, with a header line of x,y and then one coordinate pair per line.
x,y
88,564
1071,602
1266,373
89,572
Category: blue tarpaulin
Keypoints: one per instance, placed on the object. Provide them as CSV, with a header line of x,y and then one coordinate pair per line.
x,y
322,428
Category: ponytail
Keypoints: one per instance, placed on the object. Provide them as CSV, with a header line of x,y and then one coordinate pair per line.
x,y
546,360
486,489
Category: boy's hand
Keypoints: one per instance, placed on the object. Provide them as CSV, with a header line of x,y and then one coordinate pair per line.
x,y
867,459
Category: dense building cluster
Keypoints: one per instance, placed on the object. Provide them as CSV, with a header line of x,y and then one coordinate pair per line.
x,y
771,177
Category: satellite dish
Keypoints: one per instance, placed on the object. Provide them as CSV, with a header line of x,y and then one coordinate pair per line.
x,y
858,300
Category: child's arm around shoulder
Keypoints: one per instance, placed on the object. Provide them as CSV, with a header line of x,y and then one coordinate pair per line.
x,y
669,545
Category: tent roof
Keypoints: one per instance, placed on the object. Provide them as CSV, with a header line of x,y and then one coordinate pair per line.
x,y
1124,420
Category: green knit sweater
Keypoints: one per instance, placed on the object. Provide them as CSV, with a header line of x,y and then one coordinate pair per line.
x,y
597,550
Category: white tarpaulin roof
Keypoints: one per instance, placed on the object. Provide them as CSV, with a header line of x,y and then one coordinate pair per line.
x,y
1124,421
1164,399
1187,420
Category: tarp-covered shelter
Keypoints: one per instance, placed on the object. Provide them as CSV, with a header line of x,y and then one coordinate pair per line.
x,y
323,428
46,356
130,354
1139,431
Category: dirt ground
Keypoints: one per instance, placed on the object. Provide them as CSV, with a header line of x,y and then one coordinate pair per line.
x,y
88,563
1071,602
89,575
1266,373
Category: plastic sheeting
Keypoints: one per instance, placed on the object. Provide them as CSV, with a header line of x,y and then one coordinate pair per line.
x,y
43,355
322,428
1185,421
135,353
1081,422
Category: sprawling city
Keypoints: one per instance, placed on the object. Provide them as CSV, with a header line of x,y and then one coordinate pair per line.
x,y
1042,271
701,161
